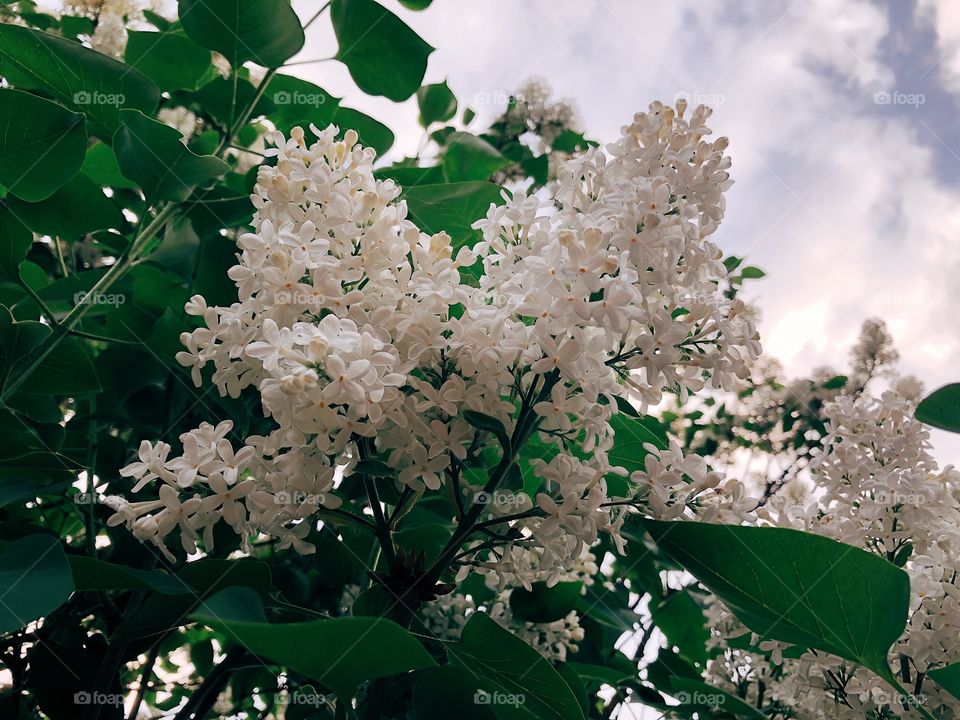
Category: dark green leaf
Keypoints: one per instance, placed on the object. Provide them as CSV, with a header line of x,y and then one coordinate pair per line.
x,y
78,208
449,691
341,653
503,663
452,208
796,587
436,102
151,153
93,574
100,165
941,408
372,132
266,32
698,696
384,56
948,678
41,145
468,157
542,604
35,579
83,78
15,241
171,59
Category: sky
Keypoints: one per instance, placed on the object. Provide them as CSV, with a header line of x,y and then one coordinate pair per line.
x,y
842,121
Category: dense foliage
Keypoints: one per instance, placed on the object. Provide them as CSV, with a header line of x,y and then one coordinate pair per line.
x,y
295,430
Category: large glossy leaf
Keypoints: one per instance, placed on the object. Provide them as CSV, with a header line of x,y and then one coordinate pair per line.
x,y
266,32
171,59
35,579
340,653
796,587
384,56
451,208
82,78
41,144
941,408
151,153
503,663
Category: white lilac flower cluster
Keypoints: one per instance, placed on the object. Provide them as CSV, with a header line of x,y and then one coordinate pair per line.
x,y
446,616
113,18
875,486
366,336
534,109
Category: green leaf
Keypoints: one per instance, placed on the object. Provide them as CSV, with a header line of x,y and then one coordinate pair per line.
x,y
78,208
384,56
836,382
83,78
503,663
266,32
468,157
100,165
218,101
93,574
752,273
416,4
941,408
35,580
205,577
299,102
948,678
796,587
171,59
449,691
681,620
436,102
700,697
67,369
542,604
151,153
15,242
490,424
41,144
372,132
452,208
341,652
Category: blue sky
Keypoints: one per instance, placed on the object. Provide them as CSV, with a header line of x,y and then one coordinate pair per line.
x,y
851,204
